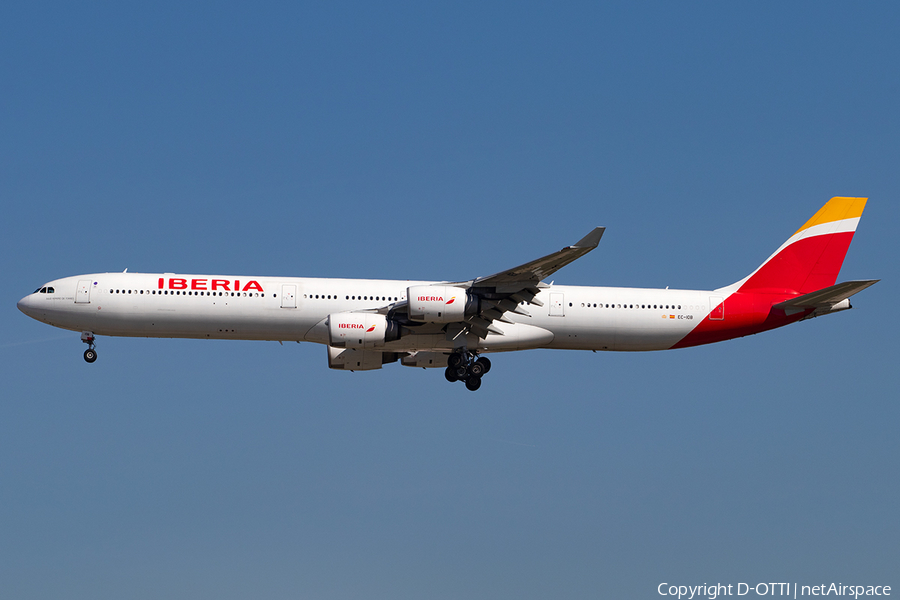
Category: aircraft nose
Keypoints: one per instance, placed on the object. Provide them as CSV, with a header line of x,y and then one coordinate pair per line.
x,y
26,305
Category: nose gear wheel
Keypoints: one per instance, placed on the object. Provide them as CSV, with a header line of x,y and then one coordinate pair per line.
x,y
90,355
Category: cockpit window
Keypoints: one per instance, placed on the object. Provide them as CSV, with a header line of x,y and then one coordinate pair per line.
x,y
43,290
50,290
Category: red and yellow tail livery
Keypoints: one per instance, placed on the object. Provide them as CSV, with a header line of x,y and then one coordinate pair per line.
x,y
811,259
807,263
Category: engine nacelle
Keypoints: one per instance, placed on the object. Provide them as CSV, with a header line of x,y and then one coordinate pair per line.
x,y
440,303
361,330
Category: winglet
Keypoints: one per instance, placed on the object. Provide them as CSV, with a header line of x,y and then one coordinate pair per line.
x,y
591,240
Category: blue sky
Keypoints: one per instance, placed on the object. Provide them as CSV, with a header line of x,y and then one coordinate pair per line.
x,y
444,142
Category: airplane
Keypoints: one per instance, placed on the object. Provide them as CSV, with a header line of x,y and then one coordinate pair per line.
x,y
367,323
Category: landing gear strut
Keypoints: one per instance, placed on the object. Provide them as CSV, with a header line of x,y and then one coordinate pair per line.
x,y
90,355
464,366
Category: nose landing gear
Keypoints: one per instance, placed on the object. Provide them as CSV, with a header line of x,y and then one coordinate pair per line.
x,y
463,366
90,355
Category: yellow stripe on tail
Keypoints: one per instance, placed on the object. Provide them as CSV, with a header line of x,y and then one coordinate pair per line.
x,y
836,209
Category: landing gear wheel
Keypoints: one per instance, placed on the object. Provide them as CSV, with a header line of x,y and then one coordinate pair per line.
x,y
455,359
90,355
485,363
450,374
476,369
473,383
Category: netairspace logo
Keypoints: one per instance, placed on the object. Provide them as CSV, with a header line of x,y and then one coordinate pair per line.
x,y
794,590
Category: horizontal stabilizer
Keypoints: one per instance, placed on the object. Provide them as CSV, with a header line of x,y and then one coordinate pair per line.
x,y
827,296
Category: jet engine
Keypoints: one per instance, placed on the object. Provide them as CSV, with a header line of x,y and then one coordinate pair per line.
x,y
360,330
440,303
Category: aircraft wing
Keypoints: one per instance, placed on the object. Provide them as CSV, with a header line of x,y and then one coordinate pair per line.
x,y
531,273
827,297
507,290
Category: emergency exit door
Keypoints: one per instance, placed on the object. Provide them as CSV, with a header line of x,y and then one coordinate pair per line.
x,y
288,296
557,304
83,292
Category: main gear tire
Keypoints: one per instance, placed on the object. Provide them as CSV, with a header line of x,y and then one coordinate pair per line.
x,y
484,362
450,374
476,369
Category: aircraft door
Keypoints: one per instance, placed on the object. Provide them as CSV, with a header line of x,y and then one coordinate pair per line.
x,y
83,292
716,308
288,296
557,304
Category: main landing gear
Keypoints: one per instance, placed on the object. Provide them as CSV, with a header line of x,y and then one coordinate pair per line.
x,y
463,366
90,355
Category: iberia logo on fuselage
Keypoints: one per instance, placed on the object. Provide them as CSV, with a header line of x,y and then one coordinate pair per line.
x,y
227,285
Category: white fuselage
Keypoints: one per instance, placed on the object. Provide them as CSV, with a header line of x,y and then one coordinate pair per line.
x,y
296,309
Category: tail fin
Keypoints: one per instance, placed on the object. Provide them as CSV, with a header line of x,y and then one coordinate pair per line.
x,y
811,259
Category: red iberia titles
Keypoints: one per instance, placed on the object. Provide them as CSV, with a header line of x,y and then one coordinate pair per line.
x,y
351,326
227,285
431,299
